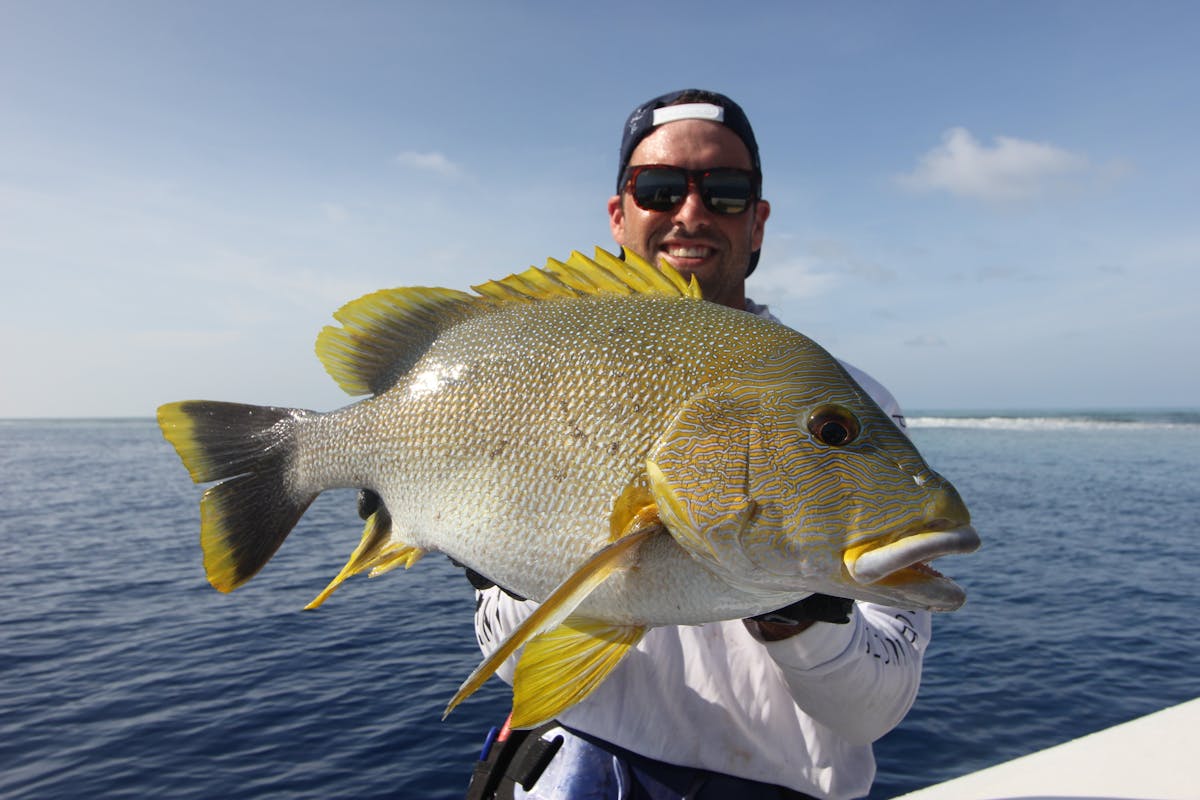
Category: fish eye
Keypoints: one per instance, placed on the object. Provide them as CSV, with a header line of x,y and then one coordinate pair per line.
x,y
833,426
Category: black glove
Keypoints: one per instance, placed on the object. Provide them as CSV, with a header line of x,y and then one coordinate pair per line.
x,y
481,582
814,608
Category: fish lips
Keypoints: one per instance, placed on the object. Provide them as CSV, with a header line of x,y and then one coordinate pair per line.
x,y
901,566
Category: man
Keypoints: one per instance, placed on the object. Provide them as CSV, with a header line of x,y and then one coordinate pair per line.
x,y
781,706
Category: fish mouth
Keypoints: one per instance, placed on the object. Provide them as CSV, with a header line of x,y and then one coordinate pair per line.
x,y
911,551
902,564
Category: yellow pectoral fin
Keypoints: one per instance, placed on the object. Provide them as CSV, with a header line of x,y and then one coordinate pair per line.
x,y
375,552
561,667
633,510
561,602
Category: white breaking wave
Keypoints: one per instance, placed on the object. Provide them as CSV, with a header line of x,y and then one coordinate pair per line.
x,y
1043,423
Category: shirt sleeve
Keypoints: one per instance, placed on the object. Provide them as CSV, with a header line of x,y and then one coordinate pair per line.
x,y
496,616
858,679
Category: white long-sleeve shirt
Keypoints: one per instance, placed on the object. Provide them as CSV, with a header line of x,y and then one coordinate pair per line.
x,y
801,712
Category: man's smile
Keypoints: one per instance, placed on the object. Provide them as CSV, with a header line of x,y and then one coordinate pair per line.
x,y
694,251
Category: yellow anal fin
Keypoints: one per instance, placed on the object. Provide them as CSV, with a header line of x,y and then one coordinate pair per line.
x,y
394,555
561,667
375,552
619,555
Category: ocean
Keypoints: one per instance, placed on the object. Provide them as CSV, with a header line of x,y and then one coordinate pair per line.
x,y
123,674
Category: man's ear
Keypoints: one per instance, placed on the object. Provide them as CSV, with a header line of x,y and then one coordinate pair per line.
x,y
762,210
616,219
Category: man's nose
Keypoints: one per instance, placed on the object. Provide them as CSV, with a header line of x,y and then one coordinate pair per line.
x,y
692,209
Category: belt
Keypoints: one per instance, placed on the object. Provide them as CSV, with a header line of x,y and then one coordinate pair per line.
x,y
529,764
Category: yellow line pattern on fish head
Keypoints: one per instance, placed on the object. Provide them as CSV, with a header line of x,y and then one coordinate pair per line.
x,y
786,480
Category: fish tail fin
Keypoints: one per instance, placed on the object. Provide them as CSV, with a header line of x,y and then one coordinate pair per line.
x,y
245,518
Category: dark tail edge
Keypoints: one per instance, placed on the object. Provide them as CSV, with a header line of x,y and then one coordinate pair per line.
x,y
245,518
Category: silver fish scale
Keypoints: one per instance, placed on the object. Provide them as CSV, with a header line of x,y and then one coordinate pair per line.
x,y
520,427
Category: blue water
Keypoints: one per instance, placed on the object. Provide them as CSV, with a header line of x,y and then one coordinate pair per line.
x,y
123,674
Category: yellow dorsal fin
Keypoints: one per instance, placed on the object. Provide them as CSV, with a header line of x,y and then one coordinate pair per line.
x,y
562,666
580,276
532,284
663,279
562,601
385,332
376,552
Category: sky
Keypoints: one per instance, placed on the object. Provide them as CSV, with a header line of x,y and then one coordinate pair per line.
x,y
986,205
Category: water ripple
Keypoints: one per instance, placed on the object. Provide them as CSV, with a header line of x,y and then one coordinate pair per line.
x,y
123,674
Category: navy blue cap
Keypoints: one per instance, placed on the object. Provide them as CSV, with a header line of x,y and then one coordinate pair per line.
x,y
687,104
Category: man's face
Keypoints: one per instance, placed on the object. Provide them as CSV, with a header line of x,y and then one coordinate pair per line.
x,y
715,248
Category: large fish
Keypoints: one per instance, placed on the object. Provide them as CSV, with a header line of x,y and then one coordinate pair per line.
x,y
596,437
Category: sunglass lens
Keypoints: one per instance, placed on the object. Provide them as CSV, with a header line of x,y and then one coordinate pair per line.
x,y
727,192
659,189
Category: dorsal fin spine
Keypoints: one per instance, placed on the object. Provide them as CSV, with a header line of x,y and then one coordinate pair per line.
x,y
503,292
578,281
384,333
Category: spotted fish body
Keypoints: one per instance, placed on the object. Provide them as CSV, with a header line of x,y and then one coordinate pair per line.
x,y
595,437
534,419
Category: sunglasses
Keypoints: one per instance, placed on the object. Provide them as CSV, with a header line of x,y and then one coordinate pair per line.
x,y
660,187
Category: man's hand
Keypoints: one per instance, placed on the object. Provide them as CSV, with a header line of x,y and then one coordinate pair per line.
x,y
799,616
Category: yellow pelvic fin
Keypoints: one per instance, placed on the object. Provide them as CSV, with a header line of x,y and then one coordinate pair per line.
x,y
619,555
563,666
375,552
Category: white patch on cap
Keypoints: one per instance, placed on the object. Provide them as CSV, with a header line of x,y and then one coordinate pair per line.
x,y
688,111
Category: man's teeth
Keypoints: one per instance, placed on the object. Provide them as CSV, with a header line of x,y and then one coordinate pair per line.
x,y
688,252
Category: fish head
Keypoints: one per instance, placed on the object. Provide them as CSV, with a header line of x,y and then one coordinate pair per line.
x,y
798,481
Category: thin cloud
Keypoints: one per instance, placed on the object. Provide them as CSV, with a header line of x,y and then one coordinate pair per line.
x,y
996,272
794,278
335,213
1009,169
926,340
429,162
843,259
815,268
